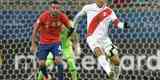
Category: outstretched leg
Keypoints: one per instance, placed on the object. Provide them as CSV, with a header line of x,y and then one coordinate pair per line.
x,y
102,60
58,60
42,55
59,64
68,54
114,61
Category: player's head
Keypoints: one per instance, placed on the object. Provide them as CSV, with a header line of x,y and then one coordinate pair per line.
x,y
54,7
100,3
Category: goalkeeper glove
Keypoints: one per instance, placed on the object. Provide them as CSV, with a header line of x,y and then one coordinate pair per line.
x,y
71,30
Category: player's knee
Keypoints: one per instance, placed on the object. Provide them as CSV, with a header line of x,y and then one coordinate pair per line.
x,y
98,51
58,60
71,64
113,55
115,60
69,59
41,63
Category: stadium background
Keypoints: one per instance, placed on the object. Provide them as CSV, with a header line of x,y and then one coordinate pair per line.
x,y
142,38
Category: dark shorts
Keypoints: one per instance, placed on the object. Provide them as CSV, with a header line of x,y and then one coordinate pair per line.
x,y
44,50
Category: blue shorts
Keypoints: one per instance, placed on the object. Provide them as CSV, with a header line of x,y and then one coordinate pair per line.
x,y
44,50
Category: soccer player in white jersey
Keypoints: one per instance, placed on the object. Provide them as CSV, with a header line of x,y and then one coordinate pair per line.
x,y
99,17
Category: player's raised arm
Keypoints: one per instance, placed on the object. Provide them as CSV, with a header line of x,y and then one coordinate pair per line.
x,y
78,17
117,23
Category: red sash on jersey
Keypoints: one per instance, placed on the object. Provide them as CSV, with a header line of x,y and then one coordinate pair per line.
x,y
98,19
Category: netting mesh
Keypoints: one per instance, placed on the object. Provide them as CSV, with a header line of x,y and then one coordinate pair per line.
x,y
142,38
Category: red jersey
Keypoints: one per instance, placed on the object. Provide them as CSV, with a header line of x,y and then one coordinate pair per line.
x,y
50,27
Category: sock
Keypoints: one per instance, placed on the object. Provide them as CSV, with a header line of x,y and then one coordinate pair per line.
x,y
104,64
74,75
39,75
72,68
44,71
60,72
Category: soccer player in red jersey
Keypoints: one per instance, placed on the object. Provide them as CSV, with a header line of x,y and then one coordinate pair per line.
x,y
49,25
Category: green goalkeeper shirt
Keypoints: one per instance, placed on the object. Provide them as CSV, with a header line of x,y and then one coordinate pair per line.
x,y
65,41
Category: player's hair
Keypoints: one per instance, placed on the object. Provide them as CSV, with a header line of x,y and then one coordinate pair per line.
x,y
54,2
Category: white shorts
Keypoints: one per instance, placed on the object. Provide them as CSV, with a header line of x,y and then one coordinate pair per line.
x,y
104,43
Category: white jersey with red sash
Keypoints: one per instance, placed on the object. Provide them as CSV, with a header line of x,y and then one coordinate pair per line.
x,y
98,20
101,20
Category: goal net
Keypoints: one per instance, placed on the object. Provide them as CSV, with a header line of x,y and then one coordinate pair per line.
x,y
139,45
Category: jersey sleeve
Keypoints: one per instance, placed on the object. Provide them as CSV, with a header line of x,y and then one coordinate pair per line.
x,y
78,16
64,19
83,11
113,16
38,22
116,22
41,18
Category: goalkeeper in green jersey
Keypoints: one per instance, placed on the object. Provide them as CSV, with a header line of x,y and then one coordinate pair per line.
x,y
69,45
